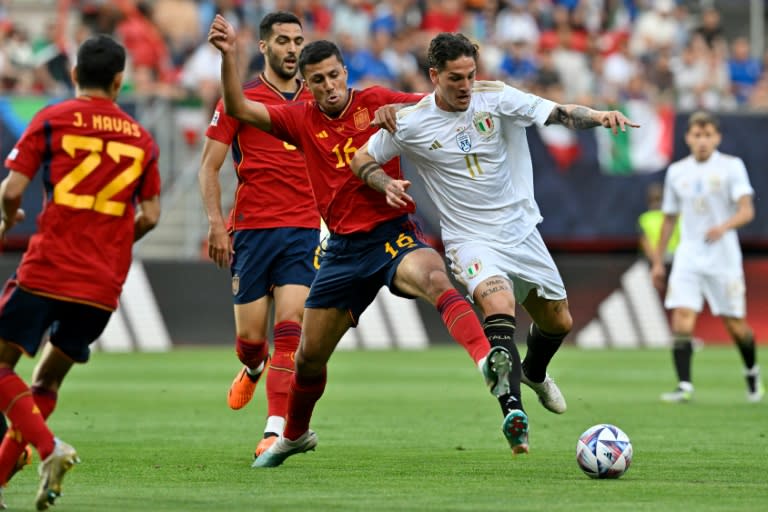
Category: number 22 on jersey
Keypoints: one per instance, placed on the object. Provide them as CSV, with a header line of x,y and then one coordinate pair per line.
x,y
102,202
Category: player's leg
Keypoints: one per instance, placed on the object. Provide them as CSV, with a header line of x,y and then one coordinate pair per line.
x,y
539,287
252,349
551,324
685,297
322,330
293,273
252,262
726,295
75,328
289,311
683,324
496,300
744,338
46,380
336,299
24,318
422,273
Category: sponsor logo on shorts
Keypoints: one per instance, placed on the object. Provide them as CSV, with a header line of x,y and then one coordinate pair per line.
x,y
235,284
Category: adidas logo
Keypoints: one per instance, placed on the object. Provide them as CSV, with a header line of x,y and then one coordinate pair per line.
x,y
632,316
322,135
435,145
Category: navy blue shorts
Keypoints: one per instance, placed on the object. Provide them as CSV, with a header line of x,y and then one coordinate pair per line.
x,y
265,258
355,267
25,316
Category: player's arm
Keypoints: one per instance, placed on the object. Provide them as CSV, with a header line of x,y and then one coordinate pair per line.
x,y
578,117
219,243
745,212
646,247
368,169
147,217
11,191
658,272
222,36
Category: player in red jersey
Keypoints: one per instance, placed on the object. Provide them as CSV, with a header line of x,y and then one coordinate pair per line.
x,y
99,170
371,245
270,238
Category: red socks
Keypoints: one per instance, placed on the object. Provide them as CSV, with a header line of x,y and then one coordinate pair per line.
x,y
281,367
463,324
17,404
251,353
13,444
304,393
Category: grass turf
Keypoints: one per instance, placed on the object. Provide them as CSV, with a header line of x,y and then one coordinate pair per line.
x,y
402,431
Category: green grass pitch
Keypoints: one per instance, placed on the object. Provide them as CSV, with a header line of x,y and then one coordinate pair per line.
x,y
404,431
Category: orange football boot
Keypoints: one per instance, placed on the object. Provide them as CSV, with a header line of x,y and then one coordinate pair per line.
x,y
242,388
264,445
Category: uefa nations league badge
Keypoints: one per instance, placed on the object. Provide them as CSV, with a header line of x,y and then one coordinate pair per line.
x,y
464,141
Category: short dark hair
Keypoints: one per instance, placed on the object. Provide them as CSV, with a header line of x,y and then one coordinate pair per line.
x,y
703,118
275,18
445,47
318,51
99,59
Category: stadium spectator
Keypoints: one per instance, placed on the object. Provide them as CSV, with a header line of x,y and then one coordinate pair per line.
x,y
371,245
269,241
711,193
479,175
152,70
350,18
70,278
710,28
515,22
518,65
656,28
744,70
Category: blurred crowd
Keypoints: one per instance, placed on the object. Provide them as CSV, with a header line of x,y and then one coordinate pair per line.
x,y
582,51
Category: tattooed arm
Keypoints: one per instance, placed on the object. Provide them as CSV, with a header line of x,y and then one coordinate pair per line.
x,y
578,117
368,170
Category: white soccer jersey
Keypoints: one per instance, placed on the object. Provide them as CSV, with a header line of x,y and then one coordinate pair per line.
x,y
476,164
705,195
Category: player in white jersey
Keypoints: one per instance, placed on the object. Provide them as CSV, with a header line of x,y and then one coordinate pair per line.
x,y
467,140
712,194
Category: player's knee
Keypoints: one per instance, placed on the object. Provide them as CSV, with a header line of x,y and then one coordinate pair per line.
x,y
437,282
560,324
307,365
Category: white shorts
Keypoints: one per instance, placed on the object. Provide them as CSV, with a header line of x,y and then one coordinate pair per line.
x,y
528,265
725,295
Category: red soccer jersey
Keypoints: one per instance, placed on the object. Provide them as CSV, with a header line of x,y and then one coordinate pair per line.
x,y
345,202
272,189
97,162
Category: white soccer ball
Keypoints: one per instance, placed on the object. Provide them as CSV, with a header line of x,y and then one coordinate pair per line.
x,y
604,451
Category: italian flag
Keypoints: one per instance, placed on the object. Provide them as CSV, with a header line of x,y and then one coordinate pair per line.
x,y
562,144
638,150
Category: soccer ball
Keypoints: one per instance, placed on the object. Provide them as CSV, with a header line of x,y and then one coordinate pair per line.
x,y
604,451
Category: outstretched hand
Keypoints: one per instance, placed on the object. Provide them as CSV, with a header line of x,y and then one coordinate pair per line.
x,y
6,224
615,120
222,34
